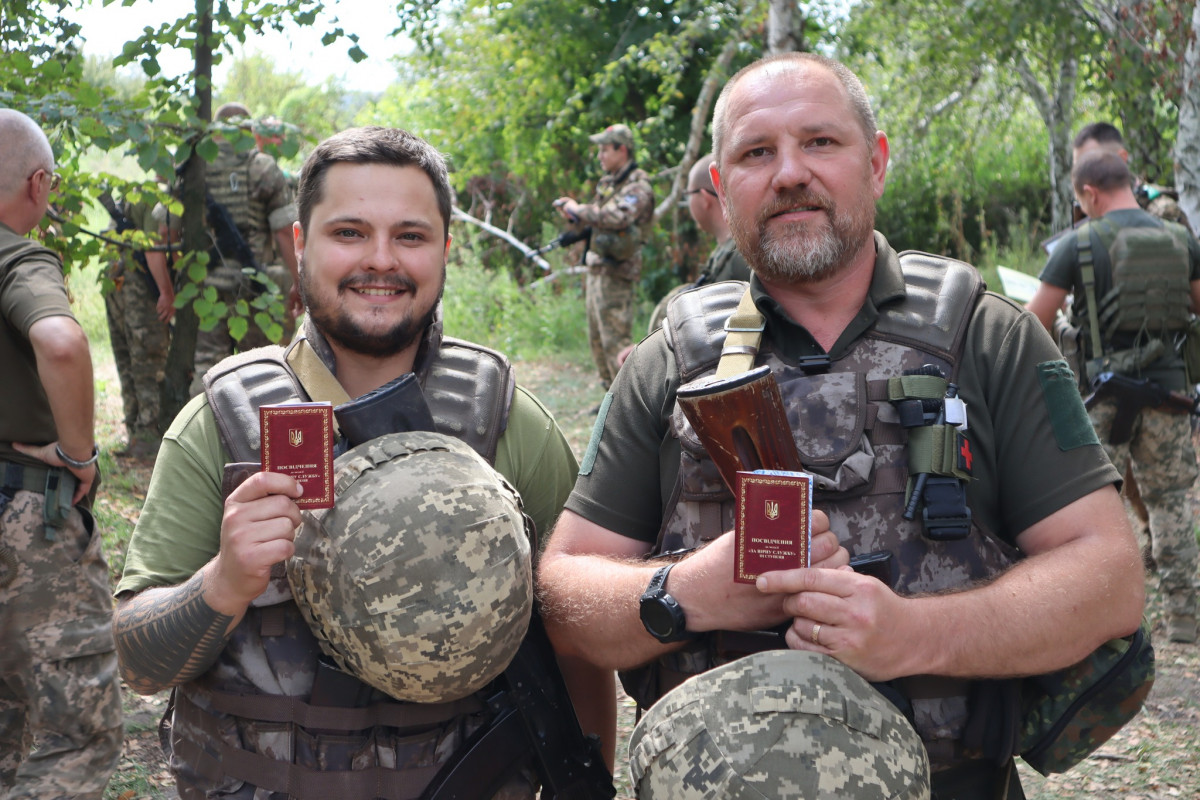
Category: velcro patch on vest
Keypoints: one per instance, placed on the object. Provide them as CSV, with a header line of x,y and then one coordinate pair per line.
x,y
1068,418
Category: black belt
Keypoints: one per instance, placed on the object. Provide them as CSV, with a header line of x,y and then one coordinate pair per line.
x,y
17,477
55,484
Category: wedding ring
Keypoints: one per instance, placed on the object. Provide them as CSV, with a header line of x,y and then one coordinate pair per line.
x,y
816,632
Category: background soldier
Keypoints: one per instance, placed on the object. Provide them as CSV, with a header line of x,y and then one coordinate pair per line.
x,y
1005,570
1158,200
253,189
620,217
58,681
203,581
1131,250
139,309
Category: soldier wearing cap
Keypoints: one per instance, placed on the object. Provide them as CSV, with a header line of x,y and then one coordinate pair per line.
x,y
620,217
60,703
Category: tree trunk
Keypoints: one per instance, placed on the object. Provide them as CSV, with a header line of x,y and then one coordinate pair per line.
x,y
781,37
181,357
1187,140
1054,105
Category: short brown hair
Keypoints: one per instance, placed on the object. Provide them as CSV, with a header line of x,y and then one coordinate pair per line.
x,y
1103,170
372,145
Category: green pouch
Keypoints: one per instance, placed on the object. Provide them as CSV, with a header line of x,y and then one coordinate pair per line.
x,y
1069,714
1191,351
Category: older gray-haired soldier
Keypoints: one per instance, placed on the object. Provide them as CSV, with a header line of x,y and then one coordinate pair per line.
x,y
1019,560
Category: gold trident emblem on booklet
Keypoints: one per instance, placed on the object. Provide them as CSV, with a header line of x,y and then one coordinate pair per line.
x,y
771,509
295,437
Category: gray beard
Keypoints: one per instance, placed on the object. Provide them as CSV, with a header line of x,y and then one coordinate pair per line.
x,y
800,253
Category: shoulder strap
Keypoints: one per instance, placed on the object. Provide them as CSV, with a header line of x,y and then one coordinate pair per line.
x,y
1087,271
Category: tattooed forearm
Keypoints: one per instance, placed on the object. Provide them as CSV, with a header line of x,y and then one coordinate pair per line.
x,y
168,637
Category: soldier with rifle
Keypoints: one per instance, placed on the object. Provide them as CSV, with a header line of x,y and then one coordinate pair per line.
x,y
139,308
1136,282
619,218
446,472
250,190
1006,569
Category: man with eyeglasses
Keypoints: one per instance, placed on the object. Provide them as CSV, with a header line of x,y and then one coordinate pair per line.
x,y
58,686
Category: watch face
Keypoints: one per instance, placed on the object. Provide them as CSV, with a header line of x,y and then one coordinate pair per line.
x,y
657,617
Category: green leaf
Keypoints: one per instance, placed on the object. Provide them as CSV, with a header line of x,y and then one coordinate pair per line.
x,y
356,54
238,326
207,149
197,272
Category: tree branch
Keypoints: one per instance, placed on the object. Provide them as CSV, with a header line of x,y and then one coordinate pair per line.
x,y
500,233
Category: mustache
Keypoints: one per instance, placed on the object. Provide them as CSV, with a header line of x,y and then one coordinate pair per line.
x,y
795,198
379,281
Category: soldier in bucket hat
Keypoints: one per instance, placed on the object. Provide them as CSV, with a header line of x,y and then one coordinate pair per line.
x,y
620,217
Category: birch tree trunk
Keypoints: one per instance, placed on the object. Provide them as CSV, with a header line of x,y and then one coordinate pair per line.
x,y
1187,140
1054,104
780,35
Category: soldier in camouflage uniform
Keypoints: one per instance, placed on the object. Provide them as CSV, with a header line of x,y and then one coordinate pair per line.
x,y
205,603
253,189
59,694
620,217
139,307
269,133
1159,452
1015,571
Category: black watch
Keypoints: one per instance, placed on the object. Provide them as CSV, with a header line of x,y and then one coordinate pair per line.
x,y
661,614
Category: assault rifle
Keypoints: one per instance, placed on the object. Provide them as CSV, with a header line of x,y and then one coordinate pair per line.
x,y
564,239
1131,396
230,242
122,223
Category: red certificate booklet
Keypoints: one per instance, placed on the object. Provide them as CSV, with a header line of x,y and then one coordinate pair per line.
x,y
297,440
774,526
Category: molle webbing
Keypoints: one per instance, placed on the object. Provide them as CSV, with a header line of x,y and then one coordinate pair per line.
x,y
217,760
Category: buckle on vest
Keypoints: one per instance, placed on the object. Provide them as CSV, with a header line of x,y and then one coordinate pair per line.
x,y
946,515
815,365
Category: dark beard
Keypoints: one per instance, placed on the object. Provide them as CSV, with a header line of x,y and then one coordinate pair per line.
x,y
781,256
345,332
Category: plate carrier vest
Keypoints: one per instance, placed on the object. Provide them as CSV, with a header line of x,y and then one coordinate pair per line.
x,y
850,438
247,722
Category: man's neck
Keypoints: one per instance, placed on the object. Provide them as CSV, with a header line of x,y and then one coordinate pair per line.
x,y
359,374
825,307
1118,201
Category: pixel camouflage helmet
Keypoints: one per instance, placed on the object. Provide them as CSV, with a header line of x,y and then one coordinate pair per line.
x,y
419,580
785,724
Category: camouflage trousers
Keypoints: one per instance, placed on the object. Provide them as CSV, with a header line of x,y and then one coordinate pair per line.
x,y
139,344
59,693
610,317
1164,464
217,344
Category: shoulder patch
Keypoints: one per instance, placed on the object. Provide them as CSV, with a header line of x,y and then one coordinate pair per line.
x,y
1068,417
589,456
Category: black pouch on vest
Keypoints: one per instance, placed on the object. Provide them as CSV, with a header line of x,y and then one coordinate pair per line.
x,y
396,406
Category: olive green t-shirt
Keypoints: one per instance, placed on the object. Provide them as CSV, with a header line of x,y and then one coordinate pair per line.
x,y
179,529
1033,449
31,289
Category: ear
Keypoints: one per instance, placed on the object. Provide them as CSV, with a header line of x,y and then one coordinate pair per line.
x,y
446,252
298,240
879,163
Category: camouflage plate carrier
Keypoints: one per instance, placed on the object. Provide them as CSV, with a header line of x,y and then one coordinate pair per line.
x,y
249,727
849,436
